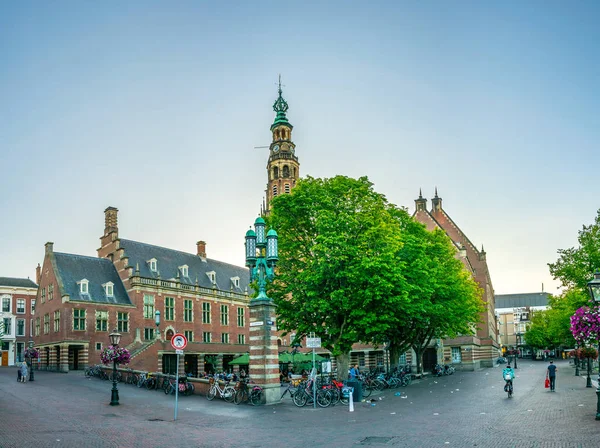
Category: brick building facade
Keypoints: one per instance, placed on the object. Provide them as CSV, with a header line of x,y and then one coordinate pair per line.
x,y
479,350
17,301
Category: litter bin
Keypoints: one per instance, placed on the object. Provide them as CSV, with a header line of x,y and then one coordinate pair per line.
x,y
357,395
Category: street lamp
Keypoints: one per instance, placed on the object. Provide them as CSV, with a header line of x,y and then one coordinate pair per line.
x,y
594,286
261,257
295,347
115,338
31,363
157,321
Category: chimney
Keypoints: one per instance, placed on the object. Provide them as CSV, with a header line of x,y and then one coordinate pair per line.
x,y
201,246
436,202
110,220
421,203
38,274
49,247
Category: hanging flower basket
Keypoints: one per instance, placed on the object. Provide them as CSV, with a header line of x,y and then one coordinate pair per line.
x,y
588,352
31,352
112,354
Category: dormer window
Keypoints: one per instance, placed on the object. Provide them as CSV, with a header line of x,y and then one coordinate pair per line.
x,y
109,289
84,286
235,281
212,276
184,270
152,264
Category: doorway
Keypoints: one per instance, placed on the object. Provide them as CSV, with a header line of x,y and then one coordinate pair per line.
x,y
75,358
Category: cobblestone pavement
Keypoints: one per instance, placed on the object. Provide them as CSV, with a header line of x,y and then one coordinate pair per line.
x,y
466,409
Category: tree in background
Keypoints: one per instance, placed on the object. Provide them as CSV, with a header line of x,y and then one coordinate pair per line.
x,y
575,266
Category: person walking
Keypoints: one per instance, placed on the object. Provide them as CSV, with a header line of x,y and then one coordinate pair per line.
x,y
353,373
24,371
552,375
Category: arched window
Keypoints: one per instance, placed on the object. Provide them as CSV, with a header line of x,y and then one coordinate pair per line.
x,y
286,188
286,171
274,190
275,173
295,173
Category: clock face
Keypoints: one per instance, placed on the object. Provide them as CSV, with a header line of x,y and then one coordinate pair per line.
x,y
275,148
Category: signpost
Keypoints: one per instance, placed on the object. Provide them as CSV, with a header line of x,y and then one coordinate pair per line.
x,y
313,342
178,342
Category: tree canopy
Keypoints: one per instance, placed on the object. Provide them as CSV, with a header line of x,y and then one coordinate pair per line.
x,y
575,266
355,268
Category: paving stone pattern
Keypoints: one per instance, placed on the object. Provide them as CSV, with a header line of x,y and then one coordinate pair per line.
x,y
466,409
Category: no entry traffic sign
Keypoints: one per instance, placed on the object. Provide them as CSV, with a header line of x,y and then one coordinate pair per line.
x,y
179,341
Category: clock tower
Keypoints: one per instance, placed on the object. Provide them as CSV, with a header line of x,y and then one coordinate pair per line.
x,y
283,168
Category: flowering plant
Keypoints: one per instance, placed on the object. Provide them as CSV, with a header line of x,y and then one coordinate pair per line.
x,y
588,352
31,352
112,354
585,324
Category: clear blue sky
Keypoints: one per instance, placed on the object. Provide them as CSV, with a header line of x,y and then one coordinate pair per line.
x,y
155,108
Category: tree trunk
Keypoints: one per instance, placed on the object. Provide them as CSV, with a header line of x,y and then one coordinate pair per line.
x,y
394,353
342,362
419,355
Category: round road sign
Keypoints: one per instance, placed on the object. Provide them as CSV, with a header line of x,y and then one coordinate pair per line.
x,y
179,341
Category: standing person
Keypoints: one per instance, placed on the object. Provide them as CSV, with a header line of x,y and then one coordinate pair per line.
x,y
353,373
24,371
552,375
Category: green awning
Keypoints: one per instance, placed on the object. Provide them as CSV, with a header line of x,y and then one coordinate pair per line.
x,y
241,360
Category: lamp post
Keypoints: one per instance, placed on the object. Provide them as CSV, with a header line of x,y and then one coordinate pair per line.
x,y
516,352
31,363
577,360
594,286
295,347
261,257
115,338
157,321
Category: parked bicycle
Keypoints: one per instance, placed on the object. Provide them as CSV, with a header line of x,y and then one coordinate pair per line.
x,y
227,393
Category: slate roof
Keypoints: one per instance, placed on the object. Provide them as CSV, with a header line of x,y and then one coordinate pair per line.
x,y
98,271
522,300
17,282
169,261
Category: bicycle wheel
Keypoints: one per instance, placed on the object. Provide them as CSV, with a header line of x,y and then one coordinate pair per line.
x,y
335,396
151,384
240,396
323,398
228,394
190,388
256,397
300,398
367,391
212,392
141,381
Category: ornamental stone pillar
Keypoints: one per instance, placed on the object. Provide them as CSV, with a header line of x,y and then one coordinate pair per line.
x,y
264,357
64,358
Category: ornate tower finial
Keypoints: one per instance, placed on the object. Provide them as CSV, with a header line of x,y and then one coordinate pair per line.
x,y
420,194
436,192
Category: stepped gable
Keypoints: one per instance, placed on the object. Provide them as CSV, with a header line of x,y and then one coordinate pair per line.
x,y
71,269
169,262
17,282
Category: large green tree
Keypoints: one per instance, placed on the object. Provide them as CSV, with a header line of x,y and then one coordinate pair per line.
x,y
338,274
575,266
354,267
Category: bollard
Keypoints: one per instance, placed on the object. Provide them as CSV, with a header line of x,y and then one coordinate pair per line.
x,y
351,403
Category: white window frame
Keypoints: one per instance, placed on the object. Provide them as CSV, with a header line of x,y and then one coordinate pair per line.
x,y
84,286
9,299
24,302
212,276
17,327
184,270
235,281
456,355
109,289
153,264
32,306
